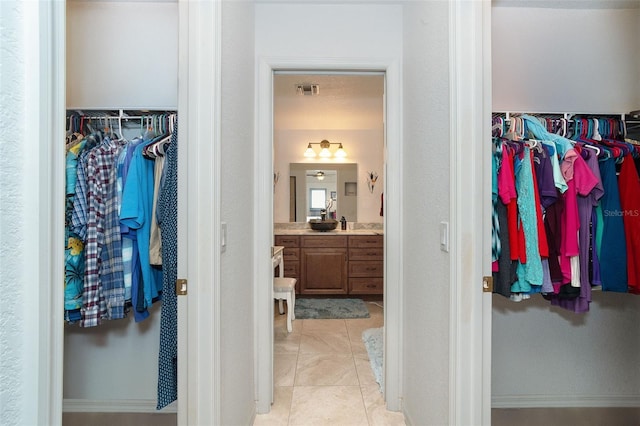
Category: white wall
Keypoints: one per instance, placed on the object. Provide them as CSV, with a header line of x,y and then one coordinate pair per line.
x,y
565,60
117,360
119,55
548,356
363,146
426,203
237,399
17,339
315,31
587,61
122,54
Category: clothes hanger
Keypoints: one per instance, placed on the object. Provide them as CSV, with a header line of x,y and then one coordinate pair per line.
x,y
120,125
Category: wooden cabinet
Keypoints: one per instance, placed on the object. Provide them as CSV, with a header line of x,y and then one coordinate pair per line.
x,y
366,264
334,264
291,255
323,264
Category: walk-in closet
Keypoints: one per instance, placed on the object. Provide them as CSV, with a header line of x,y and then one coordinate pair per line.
x,y
564,61
122,85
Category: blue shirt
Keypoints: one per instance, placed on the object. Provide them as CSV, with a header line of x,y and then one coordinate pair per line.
x,y
613,256
137,203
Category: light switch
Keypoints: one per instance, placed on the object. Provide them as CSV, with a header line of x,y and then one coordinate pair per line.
x,y
444,236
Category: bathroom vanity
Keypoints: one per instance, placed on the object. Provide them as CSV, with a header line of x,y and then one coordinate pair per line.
x,y
334,263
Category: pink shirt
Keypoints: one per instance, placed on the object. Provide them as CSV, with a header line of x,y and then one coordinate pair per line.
x,y
580,180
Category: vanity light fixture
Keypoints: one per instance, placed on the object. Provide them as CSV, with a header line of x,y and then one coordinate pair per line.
x,y
324,150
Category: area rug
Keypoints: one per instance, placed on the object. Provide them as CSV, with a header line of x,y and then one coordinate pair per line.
x,y
373,341
330,309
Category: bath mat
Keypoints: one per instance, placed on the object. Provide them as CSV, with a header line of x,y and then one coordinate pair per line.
x,y
373,341
330,309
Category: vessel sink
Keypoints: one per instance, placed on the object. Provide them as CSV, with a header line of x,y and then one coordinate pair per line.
x,y
323,225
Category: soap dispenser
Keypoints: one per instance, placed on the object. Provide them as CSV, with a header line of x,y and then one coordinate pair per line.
x,y
343,223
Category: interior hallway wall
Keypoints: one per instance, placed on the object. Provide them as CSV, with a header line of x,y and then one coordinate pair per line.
x,y
237,399
18,334
587,60
426,203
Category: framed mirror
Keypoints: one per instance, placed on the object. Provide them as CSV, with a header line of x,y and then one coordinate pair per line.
x,y
323,186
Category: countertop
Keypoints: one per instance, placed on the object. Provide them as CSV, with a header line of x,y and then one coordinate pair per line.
x,y
309,231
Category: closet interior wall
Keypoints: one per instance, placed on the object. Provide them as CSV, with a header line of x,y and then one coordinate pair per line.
x,y
581,60
120,55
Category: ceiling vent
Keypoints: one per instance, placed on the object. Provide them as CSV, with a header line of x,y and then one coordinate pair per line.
x,y
307,89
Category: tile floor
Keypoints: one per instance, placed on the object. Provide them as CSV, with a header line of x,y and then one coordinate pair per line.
x,y
322,374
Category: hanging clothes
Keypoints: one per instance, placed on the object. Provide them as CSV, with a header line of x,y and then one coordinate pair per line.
x,y
613,250
136,214
586,188
629,184
576,221
103,295
167,214
530,272
504,191
74,246
134,289
107,222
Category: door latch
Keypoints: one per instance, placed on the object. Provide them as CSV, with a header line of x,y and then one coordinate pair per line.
x,y
487,284
181,287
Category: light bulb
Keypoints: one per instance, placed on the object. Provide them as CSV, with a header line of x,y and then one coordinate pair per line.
x,y
340,153
309,152
325,153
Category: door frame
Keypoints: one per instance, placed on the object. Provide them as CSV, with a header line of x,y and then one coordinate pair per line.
x,y
199,216
45,104
263,217
470,212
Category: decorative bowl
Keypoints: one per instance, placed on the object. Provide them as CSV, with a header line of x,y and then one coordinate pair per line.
x,y
323,225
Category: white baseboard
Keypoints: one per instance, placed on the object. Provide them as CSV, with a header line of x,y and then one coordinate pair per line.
x,y
558,401
116,406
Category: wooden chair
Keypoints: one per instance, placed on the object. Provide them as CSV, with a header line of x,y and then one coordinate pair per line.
x,y
284,289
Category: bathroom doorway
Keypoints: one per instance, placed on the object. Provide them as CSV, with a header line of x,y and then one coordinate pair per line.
x,y
328,135
304,131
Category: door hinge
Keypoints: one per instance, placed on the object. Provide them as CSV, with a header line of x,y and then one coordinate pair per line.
x,y
487,284
181,287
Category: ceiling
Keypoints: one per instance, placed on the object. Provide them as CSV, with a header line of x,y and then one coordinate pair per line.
x,y
344,101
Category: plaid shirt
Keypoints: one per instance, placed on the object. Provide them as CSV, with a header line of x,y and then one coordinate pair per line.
x,y
103,292
79,214
80,209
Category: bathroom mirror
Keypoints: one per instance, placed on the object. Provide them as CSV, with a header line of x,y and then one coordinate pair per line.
x,y
317,186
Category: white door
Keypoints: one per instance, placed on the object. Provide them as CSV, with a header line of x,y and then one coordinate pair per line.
x,y
199,212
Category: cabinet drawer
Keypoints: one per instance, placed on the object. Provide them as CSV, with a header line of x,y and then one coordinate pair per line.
x,y
373,253
291,255
291,270
323,241
287,240
366,241
366,285
366,269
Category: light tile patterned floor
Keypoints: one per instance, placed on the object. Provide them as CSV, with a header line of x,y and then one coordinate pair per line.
x,y
322,374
